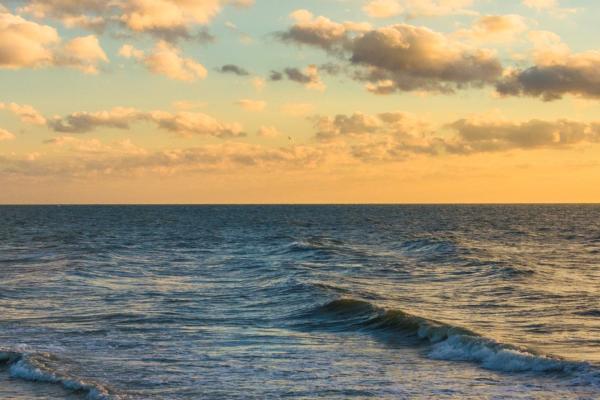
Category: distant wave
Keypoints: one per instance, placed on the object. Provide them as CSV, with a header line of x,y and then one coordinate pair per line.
x,y
36,367
427,246
447,342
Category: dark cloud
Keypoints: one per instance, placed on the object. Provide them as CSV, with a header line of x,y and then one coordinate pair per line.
x,y
319,32
552,82
309,77
233,69
294,74
181,123
275,76
400,57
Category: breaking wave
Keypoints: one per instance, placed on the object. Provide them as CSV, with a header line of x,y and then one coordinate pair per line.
x,y
37,367
445,341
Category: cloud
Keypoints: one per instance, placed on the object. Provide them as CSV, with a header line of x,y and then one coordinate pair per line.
x,y
27,44
83,53
6,135
91,158
166,19
86,14
400,57
165,59
345,125
487,136
397,136
24,43
494,28
383,8
309,77
557,72
419,58
317,31
252,105
181,123
26,113
233,69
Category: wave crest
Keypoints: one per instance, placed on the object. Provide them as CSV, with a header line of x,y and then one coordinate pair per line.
x,y
36,367
447,342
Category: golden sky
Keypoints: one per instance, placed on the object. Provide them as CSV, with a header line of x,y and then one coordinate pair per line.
x,y
299,101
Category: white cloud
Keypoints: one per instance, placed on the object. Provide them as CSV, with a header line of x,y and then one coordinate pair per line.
x,y
26,113
165,59
27,44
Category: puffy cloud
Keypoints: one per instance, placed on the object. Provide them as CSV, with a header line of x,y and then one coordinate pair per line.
x,y
24,43
83,53
557,72
233,69
494,28
400,57
419,58
252,105
87,14
168,19
26,113
319,31
6,135
165,59
383,8
181,123
27,44
309,77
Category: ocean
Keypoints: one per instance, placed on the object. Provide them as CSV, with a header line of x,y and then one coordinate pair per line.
x,y
300,302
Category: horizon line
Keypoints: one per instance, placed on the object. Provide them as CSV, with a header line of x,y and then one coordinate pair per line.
x,y
293,204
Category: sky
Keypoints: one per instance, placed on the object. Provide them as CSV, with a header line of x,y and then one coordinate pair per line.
x,y
299,101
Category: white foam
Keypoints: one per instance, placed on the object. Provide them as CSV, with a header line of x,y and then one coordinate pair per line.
x,y
25,370
494,356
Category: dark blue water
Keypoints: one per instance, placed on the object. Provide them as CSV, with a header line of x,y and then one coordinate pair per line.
x,y
337,302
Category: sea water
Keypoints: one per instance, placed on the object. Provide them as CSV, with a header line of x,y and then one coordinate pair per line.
x,y
302,302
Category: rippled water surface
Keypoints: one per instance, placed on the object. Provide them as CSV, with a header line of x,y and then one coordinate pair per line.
x,y
337,302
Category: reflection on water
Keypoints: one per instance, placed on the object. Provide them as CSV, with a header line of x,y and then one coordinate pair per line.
x,y
380,302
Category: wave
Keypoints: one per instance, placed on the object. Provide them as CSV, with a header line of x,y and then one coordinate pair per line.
x,y
428,246
37,367
445,341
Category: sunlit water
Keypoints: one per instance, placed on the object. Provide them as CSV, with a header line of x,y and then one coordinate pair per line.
x,y
382,302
